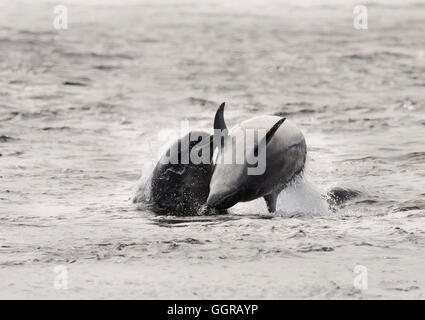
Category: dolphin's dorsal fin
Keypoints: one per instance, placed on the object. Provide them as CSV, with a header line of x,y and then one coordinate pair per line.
x,y
273,130
221,133
219,118
269,134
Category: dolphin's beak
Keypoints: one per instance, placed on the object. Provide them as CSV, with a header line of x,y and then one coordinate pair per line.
x,y
222,200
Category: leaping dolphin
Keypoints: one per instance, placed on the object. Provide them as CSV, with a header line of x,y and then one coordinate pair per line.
x,y
208,187
285,155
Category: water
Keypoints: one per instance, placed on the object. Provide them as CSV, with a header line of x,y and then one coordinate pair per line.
x,y
80,112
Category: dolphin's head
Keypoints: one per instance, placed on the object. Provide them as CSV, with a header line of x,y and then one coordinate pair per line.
x,y
231,182
227,183
221,199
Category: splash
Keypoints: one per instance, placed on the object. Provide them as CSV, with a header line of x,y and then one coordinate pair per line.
x,y
156,145
301,197
143,190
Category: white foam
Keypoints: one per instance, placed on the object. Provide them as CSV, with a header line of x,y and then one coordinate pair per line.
x,y
301,197
143,190
157,146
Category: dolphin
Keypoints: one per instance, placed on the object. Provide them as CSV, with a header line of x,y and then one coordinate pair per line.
x,y
285,156
181,188
208,187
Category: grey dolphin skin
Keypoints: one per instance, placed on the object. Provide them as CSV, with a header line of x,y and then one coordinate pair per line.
x,y
285,158
182,189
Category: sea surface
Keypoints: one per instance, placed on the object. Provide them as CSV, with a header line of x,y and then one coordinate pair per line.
x,y
85,112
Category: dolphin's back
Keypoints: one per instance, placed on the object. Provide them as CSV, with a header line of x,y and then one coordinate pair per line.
x,y
286,136
286,152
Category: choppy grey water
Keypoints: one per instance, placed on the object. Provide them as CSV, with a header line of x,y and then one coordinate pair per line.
x,y
80,110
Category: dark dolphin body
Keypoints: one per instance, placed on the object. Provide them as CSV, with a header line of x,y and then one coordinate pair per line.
x,y
339,195
182,189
